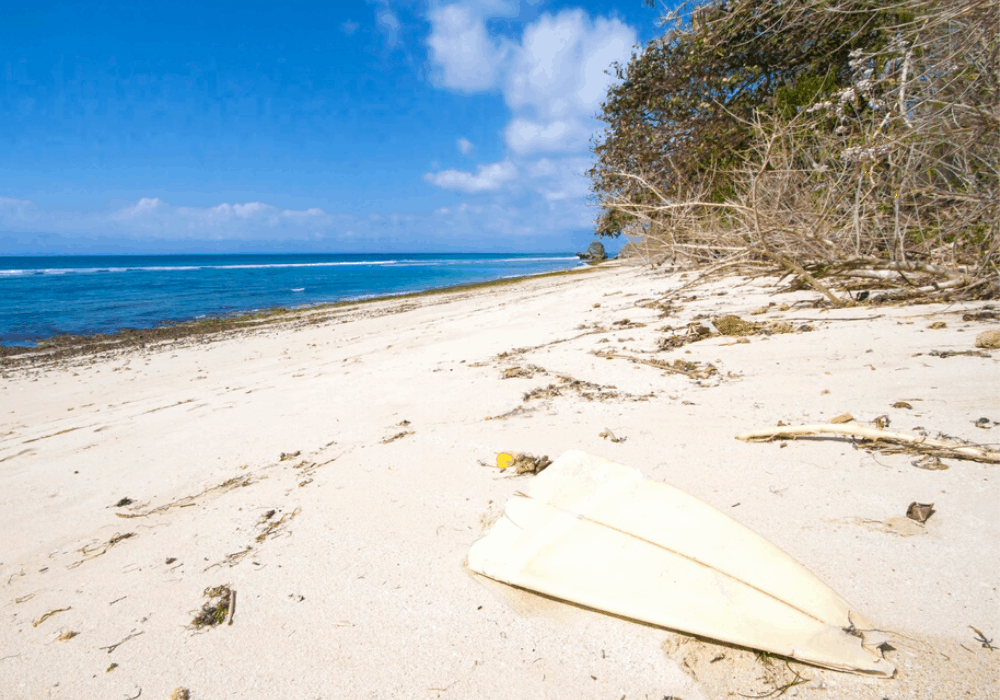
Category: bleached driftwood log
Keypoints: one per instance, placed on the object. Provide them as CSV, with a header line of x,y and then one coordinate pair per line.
x,y
939,448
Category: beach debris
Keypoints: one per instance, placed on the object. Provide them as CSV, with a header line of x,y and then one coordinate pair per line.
x,y
881,422
842,418
608,435
92,553
285,456
624,323
397,436
983,423
111,668
525,463
66,636
180,694
690,369
526,372
587,390
988,339
981,638
930,463
517,410
47,615
216,610
124,502
693,332
986,315
937,325
231,559
111,647
875,438
957,353
521,462
734,325
903,404
403,423
273,527
920,512
170,560
188,501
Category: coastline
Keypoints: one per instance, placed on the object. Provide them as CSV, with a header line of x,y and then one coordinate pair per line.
x,y
328,466
64,346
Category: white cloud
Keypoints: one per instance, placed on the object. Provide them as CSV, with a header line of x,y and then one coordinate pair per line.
x,y
558,80
143,207
527,136
553,80
486,178
302,214
388,24
225,220
561,179
466,147
466,57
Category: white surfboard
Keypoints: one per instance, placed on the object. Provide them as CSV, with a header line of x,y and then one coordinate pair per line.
x,y
599,534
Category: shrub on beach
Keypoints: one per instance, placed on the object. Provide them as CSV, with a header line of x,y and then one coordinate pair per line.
x,y
845,137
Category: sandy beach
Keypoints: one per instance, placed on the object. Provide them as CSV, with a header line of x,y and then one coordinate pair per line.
x,y
334,469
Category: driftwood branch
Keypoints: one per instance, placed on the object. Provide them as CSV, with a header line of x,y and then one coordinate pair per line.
x,y
940,448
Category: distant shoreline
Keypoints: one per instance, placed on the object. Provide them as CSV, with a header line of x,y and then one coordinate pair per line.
x,y
72,345
54,298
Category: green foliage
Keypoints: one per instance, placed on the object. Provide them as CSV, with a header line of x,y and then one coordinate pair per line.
x,y
681,114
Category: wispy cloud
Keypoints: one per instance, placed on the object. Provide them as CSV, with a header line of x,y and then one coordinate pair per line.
x,y
466,147
487,178
16,211
145,206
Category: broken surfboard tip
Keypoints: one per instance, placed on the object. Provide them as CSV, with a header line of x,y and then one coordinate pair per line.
x,y
599,534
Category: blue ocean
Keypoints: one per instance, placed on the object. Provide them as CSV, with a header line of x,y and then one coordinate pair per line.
x,y
42,297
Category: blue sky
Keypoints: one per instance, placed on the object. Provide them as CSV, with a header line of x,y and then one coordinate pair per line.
x,y
350,126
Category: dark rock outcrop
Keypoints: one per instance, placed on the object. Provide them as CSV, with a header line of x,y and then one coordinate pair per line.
x,y
595,253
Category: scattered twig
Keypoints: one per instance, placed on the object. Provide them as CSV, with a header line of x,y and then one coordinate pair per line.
x,y
922,444
981,638
232,606
49,614
112,647
187,501
89,554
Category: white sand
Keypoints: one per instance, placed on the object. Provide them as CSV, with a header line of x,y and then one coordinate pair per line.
x,y
361,591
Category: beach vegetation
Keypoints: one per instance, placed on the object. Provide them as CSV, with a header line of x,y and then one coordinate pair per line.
x,y
829,139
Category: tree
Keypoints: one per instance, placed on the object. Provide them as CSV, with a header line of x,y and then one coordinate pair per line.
x,y
809,133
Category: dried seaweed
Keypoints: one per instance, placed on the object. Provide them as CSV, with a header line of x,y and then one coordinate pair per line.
x,y
215,611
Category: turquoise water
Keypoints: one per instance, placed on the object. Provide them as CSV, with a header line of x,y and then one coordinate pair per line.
x,y
41,297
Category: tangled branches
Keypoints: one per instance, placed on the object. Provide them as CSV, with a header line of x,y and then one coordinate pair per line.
x,y
885,174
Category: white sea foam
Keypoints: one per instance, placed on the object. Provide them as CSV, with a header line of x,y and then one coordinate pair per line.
x,y
432,262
